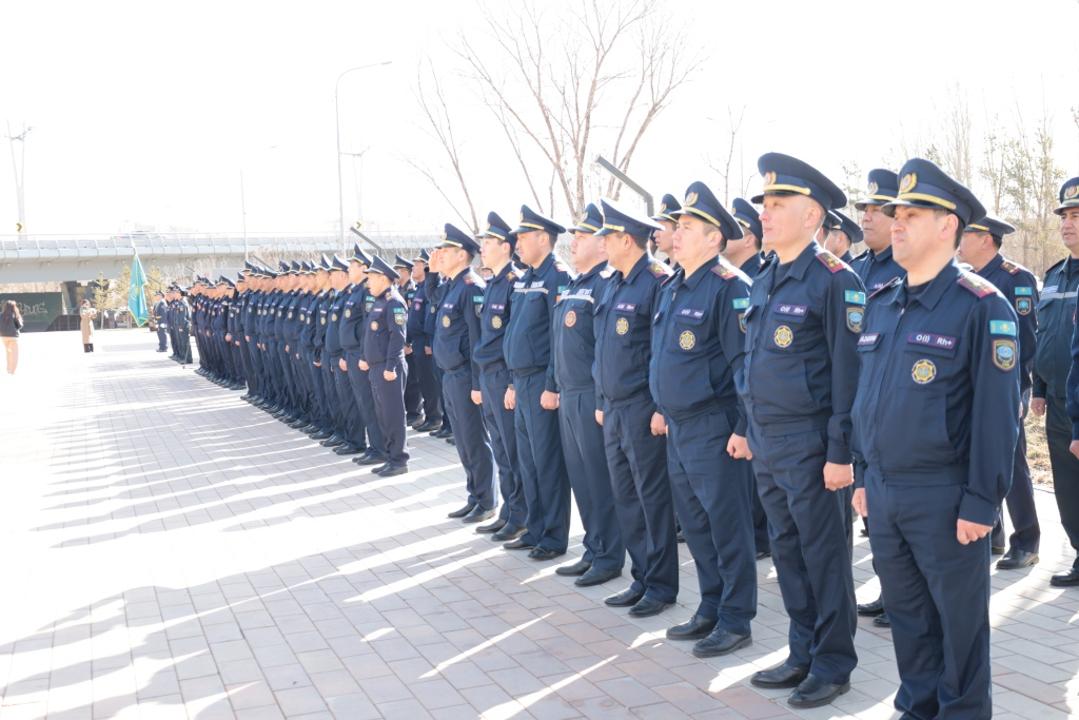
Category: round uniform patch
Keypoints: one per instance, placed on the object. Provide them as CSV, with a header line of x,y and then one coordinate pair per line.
x,y
496,322
571,318
687,340
923,372
445,321
374,324
1023,306
348,312
334,317
621,326
323,321
783,337
1004,354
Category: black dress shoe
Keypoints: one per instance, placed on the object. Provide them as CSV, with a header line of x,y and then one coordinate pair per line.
x,y
627,598
1015,559
679,536
871,609
1067,579
321,435
762,554
370,458
695,628
461,511
997,549
332,441
720,642
478,514
413,419
882,621
493,527
647,607
442,433
381,468
578,568
508,534
451,440
540,553
347,450
780,676
595,576
814,692
393,470
518,544
429,426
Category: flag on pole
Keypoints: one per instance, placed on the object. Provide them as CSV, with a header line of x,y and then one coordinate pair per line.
x,y
136,296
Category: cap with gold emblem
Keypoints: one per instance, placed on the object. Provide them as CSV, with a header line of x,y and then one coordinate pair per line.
x,y
531,220
923,184
455,237
1069,195
701,202
747,216
667,207
786,175
997,228
882,188
378,265
615,219
590,222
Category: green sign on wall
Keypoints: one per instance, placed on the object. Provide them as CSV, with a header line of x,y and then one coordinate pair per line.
x,y
38,309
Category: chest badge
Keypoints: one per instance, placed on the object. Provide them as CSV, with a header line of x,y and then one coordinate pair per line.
x,y
374,324
621,326
496,322
783,336
348,312
571,319
334,317
923,372
445,321
1004,354
324,320
687,340
855,315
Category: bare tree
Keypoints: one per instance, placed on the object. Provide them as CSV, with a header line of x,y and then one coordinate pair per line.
x,y
734,127
1032,181
994,165
956,131
586,97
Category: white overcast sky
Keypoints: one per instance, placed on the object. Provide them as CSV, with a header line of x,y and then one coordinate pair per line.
x,y
147,112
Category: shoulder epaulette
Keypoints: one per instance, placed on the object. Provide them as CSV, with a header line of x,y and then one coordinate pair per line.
x,y
830,261
1010,267
978,286
1055,265
606,272
658,269
893,283
724,270
561,266
468,279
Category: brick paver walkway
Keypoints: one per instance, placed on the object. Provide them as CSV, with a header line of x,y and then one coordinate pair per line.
x,y
169,551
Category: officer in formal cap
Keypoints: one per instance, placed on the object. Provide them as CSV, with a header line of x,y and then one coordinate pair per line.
x,y
384,361
347,414
1054,388
161,309
698,339
842,233
527,347
436,288
636,454
663,239
745,253
573,349
497,245
365,438
980,248
936,420
407,288
806,310
457,333
415,341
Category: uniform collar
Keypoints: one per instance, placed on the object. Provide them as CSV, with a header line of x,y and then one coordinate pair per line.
x,y
545,265
753,263
883,256
992,265
642,262
585,276
931,295
506,270
801,263
692,281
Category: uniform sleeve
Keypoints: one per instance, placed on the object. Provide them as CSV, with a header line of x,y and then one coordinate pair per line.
x,y
994,412
395,346
733,303
474,300
559,281
844,315
1026,291
1072,399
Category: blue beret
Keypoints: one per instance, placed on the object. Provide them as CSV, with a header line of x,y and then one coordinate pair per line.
x,y
457,238
531,220
590,222
702,202
381,266
667,206
786,175
617,220
339,264
923,184
987,224
1069,195
400,262
882,187
358,255
842,222
747,216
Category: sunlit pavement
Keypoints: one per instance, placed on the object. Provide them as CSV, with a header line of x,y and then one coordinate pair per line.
x,y
169,551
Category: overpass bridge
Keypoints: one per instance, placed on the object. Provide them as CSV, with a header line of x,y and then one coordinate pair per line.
x,y
82,258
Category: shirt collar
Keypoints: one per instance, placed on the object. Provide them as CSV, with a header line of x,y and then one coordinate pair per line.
x,y
642,262
931,295
992,265
692,281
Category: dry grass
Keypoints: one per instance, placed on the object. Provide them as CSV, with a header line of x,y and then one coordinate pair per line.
x,y
1038,451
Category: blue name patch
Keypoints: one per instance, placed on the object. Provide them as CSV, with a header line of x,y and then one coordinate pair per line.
x,y
740,303
689,312
930,340
1024,291
868,339
1002,327
854,297
793,310
626,307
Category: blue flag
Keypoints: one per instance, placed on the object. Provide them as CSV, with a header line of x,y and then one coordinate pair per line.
x,y
136,296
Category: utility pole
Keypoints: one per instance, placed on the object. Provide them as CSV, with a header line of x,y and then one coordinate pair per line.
x,y
243,211
625,179
19,168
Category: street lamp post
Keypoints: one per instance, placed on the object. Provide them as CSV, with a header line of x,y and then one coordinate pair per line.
x,y
337,120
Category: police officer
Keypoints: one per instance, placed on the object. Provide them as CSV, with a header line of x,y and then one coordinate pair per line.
x,y
801,369
573,348
161,310
436,286
663,239
366,435
527,347
498,244
636,455
842,233
1056,328
384,361
980,248
697,341
349,419
416,340
407,288
457,333
936,418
